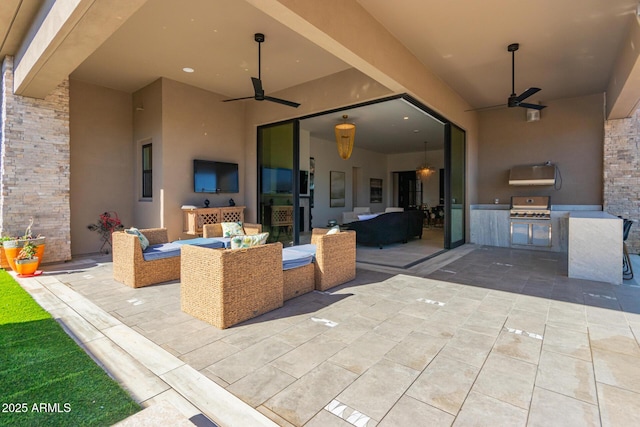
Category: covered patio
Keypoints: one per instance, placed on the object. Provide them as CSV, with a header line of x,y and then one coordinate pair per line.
x,y
479,333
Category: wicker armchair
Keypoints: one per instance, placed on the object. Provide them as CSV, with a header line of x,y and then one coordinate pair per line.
x,y
227,286
335,261
129,266
215,230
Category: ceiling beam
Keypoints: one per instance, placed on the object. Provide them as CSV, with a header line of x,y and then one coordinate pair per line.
x,y
623,91
71,31
15,18
349,32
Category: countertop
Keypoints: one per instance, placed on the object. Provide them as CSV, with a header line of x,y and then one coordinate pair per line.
x,y
592,215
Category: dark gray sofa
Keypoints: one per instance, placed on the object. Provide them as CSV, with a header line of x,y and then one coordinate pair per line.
x,y
386,228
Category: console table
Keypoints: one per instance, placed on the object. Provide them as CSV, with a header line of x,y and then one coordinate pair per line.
x,y
194,218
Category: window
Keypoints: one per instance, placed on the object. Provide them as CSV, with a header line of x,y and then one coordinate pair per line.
x,y
147,175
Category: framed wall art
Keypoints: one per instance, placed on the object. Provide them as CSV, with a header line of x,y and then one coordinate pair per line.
x,y
336,189
375,190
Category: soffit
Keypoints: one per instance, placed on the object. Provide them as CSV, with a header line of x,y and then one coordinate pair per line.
x,y
15,18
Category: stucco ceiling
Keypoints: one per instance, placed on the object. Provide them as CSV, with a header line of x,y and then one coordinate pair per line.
x,y
567,47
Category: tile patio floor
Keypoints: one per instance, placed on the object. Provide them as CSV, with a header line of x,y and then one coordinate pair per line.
x,y
479,336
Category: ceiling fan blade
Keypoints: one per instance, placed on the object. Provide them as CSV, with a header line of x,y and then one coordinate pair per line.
x,y
490,107
257,86
527,93
282,101
237,99
532,106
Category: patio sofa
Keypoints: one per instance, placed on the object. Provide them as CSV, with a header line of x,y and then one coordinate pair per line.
x,y
351,216
160,262
390,227
227,286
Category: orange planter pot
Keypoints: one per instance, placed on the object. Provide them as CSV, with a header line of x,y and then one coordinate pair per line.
x,y
26,267
4,262
12,248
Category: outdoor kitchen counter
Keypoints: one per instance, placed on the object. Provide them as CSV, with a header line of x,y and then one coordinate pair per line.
x,y
489,225
595,246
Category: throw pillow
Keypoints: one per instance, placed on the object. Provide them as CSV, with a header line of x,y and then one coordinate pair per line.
x,y
230,229
238,242
144,242
334,230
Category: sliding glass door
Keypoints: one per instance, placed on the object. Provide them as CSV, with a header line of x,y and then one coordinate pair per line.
x,y
454,186
278,181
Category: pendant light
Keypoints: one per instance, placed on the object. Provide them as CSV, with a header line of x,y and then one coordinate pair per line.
x,y
424,171
345,135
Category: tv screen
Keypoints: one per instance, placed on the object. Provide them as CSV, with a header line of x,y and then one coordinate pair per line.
x,y
215,177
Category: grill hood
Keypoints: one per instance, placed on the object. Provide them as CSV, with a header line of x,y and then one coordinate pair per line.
x,y
533,175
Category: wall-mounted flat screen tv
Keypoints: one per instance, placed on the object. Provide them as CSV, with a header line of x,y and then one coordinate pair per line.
x,y
215,177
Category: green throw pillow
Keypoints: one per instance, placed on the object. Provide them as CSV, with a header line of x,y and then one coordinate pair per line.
x,y
230,229
238,242
144,242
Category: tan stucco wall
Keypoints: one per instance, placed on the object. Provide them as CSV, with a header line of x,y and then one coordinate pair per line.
x,y
147,127
196,124
570,134
186,123
101,160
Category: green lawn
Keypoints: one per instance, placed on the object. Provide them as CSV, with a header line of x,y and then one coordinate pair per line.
x,y
46,379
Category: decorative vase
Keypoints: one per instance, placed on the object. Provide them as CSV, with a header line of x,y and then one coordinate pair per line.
x,y
12,248
26,267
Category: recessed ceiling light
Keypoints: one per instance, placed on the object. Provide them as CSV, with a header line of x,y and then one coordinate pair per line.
x,y
406,117
188,70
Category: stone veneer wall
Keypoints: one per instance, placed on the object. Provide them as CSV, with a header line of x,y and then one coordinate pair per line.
x,y
622,173
35,166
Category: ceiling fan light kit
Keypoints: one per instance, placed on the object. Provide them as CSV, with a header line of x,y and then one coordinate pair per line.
x,y
258,91
345,137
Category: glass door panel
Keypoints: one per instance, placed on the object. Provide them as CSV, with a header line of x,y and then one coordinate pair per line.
x,y
279,182
455,187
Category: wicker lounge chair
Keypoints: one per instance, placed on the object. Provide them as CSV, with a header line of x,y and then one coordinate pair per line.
x,y
335,261
224,287
129,266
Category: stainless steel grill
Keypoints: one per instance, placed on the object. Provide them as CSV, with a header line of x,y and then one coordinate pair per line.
x,y
530,221
535,207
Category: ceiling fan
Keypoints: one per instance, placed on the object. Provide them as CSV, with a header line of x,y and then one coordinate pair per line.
x,y
257,83
516,100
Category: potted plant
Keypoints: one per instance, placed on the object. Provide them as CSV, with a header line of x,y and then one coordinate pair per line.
x,y
4,262
26,262
13,245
